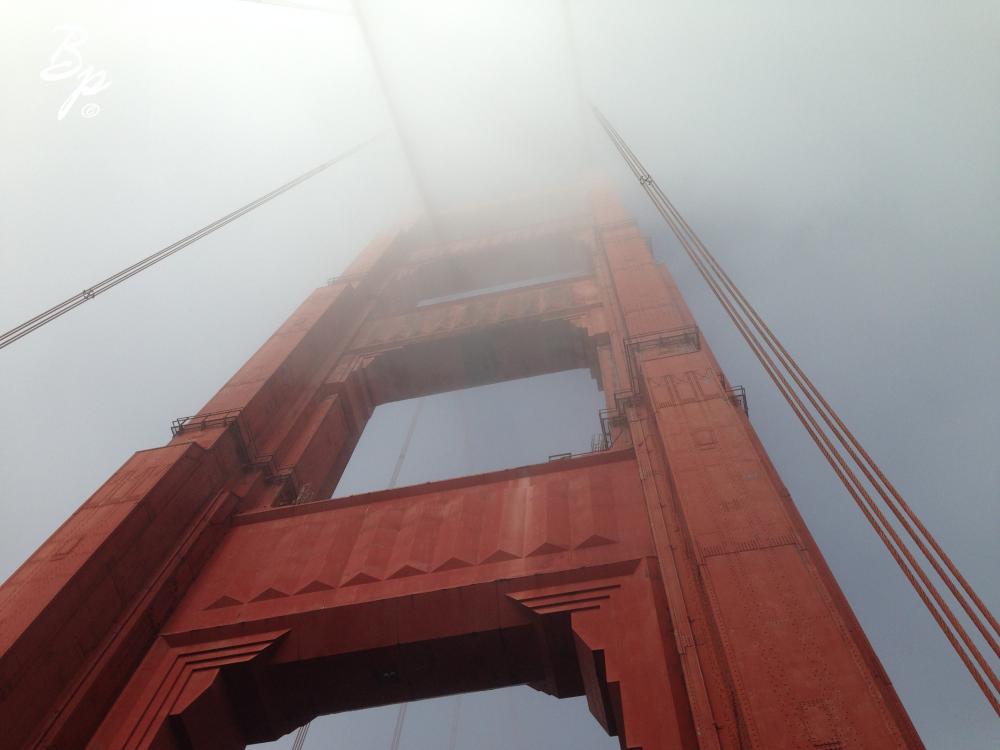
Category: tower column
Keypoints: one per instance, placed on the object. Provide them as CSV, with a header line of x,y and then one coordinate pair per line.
x,y
210,595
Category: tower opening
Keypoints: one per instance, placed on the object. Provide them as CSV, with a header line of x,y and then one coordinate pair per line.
x,y
466,720
474,430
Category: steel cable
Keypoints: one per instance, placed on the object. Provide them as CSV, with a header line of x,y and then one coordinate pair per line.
x,y
32,324
733,302
900,509
397,732
300,736
832,420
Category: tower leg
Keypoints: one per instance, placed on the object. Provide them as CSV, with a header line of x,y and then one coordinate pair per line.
x,y
627,656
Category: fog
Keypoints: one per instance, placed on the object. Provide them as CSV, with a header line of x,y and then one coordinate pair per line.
x,y
841,159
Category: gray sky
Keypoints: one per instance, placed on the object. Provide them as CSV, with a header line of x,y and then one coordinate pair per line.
x,y
841,159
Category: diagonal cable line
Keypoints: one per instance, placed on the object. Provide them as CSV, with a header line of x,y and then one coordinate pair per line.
x,y
32,324
300,736
900,509
850,480
397,732
780,366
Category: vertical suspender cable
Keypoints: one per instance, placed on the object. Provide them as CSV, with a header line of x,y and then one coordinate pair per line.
x,y
405,142
406,443
397,732
300,736
779,364
453,731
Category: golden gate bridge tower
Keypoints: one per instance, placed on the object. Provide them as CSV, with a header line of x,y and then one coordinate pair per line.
x,y
208,595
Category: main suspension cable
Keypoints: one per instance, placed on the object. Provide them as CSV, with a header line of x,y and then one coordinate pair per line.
x,y
822,407
899,508
33,324
758,336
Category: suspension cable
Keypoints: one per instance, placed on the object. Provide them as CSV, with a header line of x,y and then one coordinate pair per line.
x,y
812,394
900,509
400,460
32,324
405,448
780,366
453,728
397,732
300,736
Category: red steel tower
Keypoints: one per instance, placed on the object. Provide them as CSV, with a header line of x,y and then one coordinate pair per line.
x,y
208,596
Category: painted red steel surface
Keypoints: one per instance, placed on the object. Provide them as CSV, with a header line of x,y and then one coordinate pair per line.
x,y
206,597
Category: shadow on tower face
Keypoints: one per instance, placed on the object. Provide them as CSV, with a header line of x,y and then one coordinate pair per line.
x,y
561,633
301,691
505,352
